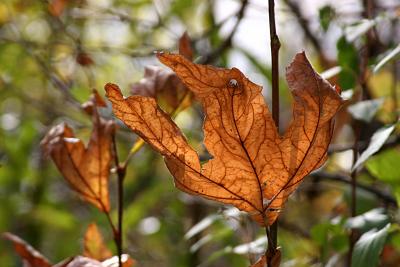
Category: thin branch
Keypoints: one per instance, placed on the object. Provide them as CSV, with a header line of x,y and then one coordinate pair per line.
x,y
336,177
272,231
121,172
227,43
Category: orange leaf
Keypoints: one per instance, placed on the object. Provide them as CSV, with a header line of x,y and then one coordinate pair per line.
x,y
275,261
56,7
32,257
262,262
185,46
86,169
94,246
253,167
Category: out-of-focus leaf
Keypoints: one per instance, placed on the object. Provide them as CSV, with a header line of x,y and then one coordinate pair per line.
x,y
262,262
348,61
255,247
185,46
240,133
80,261
329,73
56,7
385,166
357,30
86,169
375,218
369,247
201,225
377,141
365,110
164,85
390,56
32,257
94,246
326,14
127,261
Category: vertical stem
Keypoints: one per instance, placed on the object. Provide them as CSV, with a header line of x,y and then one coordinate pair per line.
x,y
121,171
272,232
275,45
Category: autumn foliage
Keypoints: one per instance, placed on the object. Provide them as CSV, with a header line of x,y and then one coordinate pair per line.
x,y
253,167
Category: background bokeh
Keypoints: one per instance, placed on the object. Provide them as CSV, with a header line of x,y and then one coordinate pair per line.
x,y
53,53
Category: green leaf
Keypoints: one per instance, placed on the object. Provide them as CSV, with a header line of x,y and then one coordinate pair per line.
x,y
391,55
385,166
377,141
372,219
348,61
326,14
365,110
369,247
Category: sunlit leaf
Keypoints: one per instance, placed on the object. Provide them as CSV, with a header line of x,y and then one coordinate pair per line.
x,y
369,247
377,140
365,110
86,169
253,167
385,166
390,56
94,246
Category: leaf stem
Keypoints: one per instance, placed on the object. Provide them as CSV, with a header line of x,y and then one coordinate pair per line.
x,y
121,172
275,45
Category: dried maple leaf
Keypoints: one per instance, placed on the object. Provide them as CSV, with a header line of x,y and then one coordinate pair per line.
x,y
86,169
94,246
253,167
164,85
31,256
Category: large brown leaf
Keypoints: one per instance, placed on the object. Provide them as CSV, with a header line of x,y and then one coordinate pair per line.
x,y
32,257
86,169
253,168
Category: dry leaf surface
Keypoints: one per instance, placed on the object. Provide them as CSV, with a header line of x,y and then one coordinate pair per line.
x,y
253,167
94,246
85,168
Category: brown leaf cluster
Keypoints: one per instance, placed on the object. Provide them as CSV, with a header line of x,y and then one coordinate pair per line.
x,y
96,254
86,169
164,85
253,167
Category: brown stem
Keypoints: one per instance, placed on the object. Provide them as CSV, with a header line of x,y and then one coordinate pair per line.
x,y
275,44
121,172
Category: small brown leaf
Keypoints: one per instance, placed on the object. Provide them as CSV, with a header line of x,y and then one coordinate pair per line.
x,y
164,85
32,257
56,7
253,167
86,169
262,262
94,246
84,59
185,46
